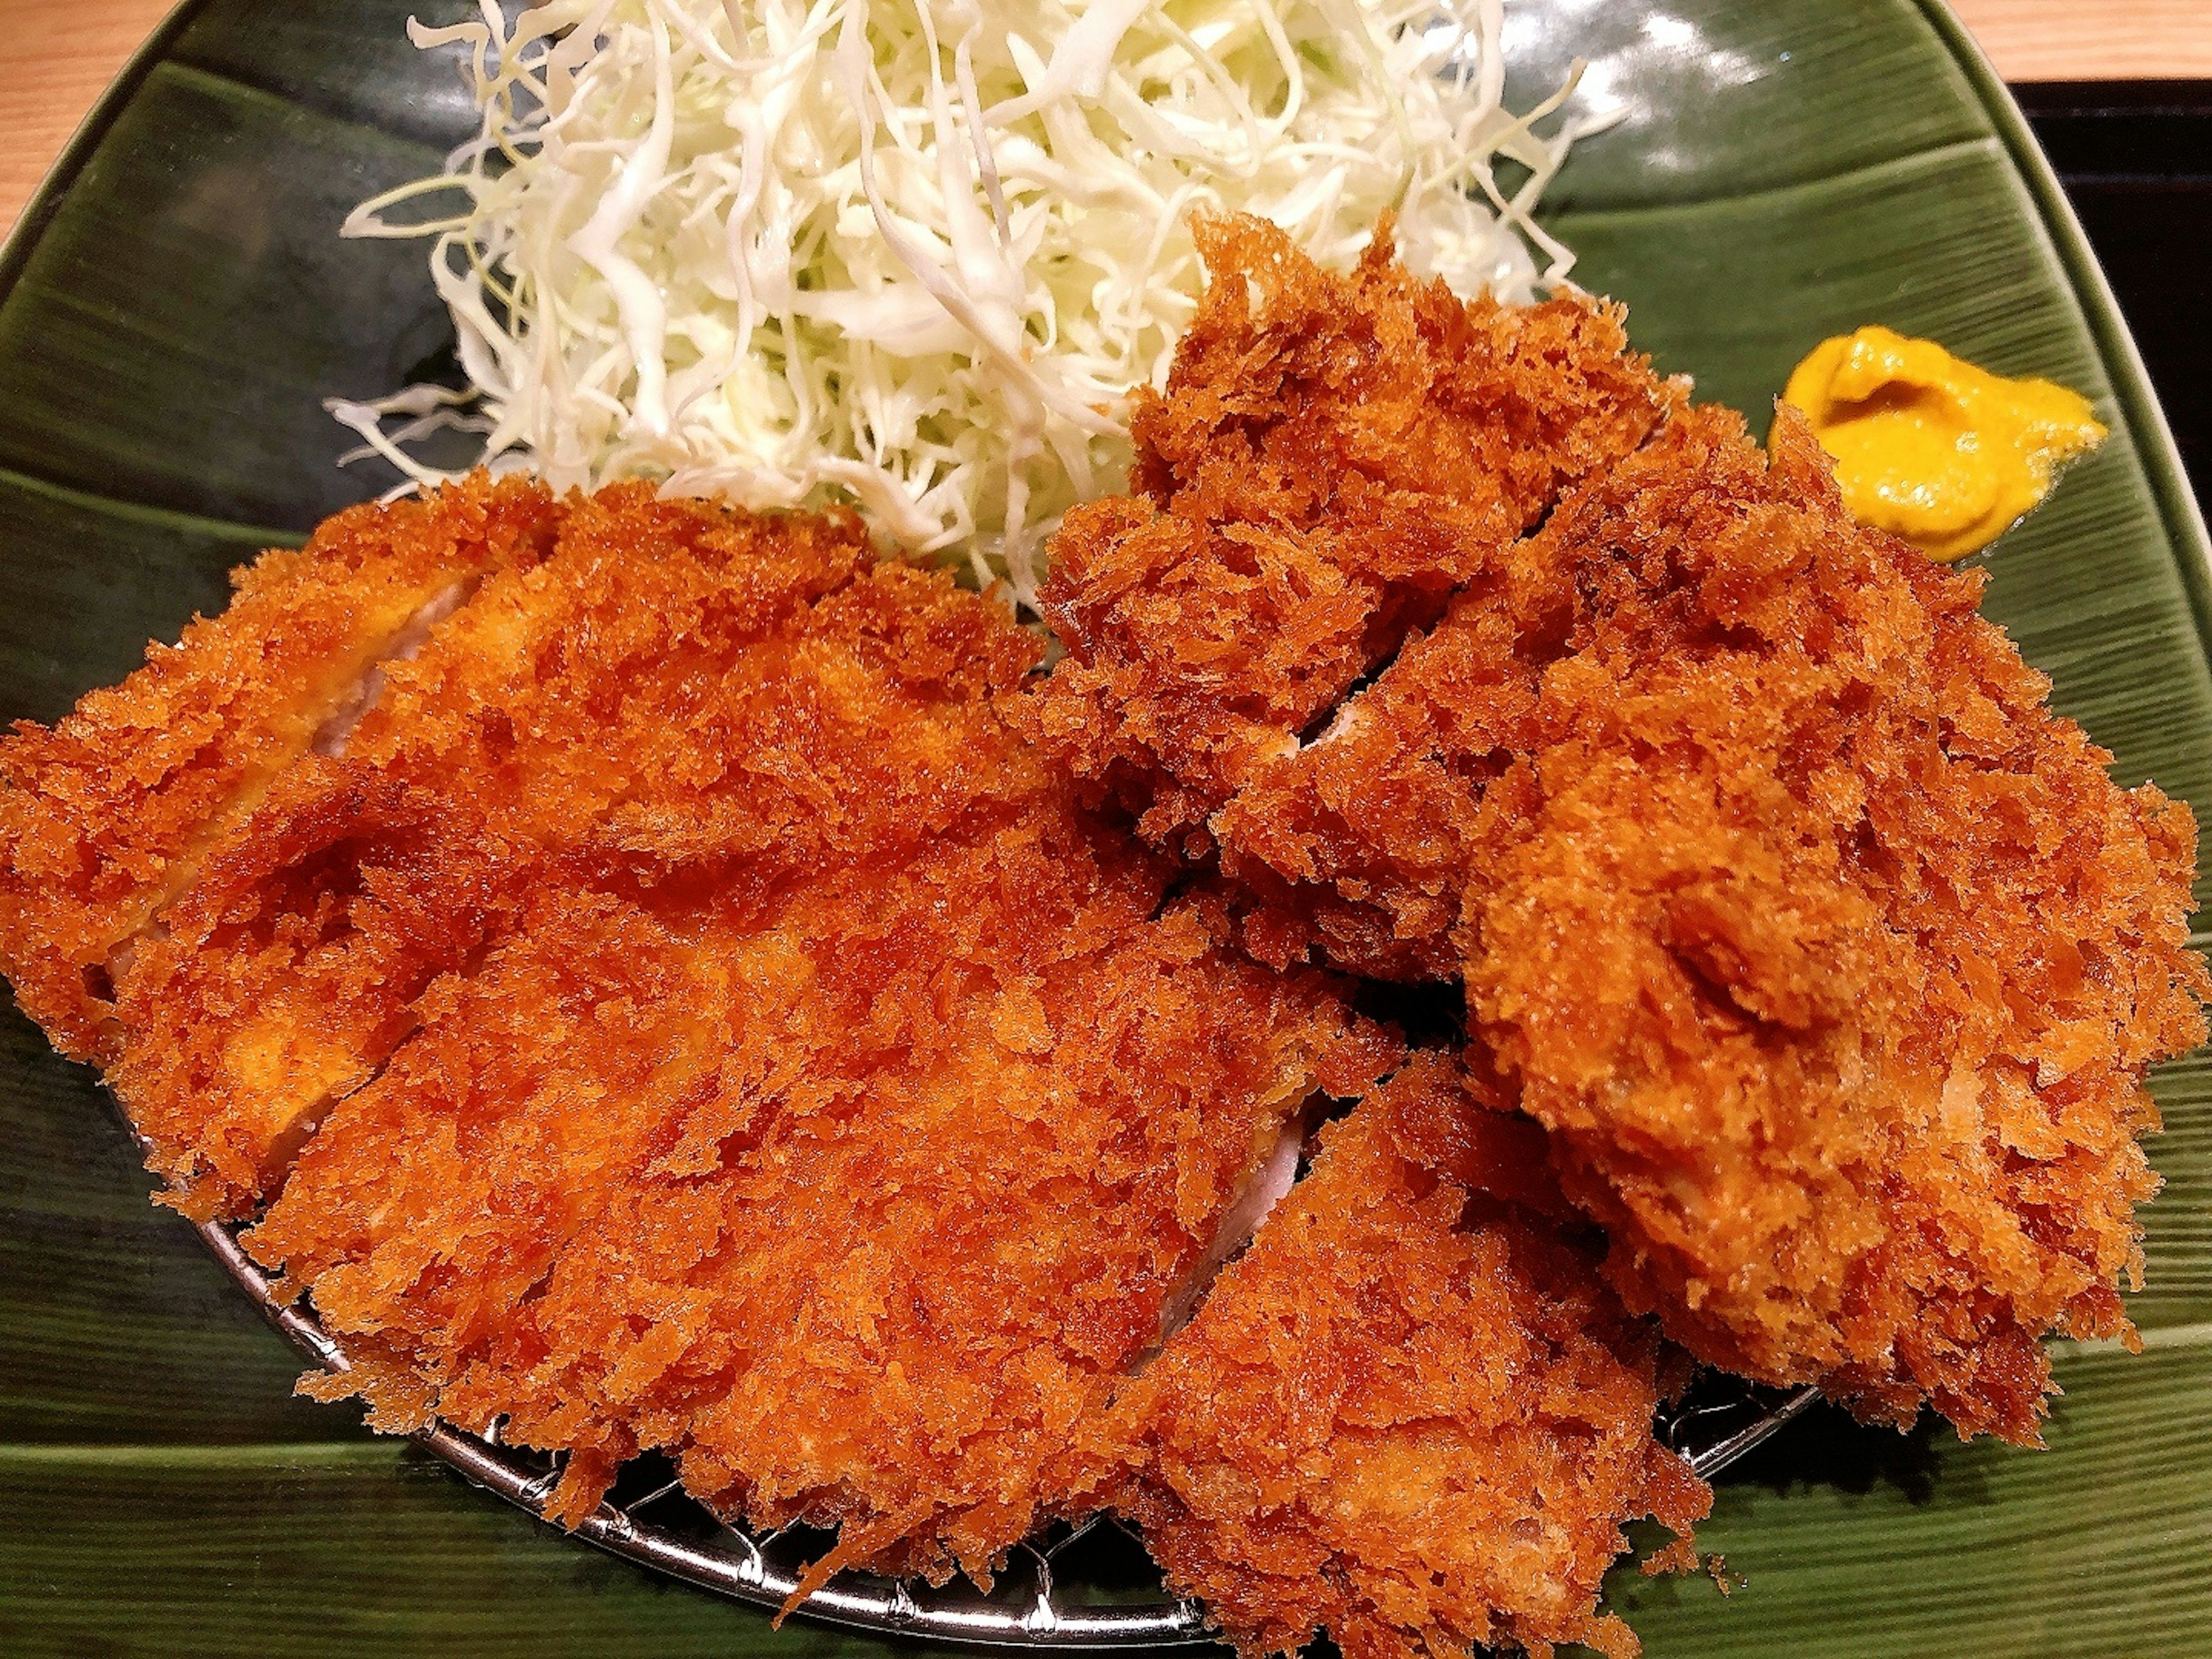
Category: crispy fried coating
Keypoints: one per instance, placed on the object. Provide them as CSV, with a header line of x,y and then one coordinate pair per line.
x,y
282,979
672,695
668,1006
1901,952
104,817
963,1222
1333,458
1412,1415
855,1196
1834,959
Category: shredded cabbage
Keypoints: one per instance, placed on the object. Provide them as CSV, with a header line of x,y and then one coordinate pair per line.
x,y
914,255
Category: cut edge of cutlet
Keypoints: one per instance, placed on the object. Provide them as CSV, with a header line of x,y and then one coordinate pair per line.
x,y
1172,743
1256,1515
105,816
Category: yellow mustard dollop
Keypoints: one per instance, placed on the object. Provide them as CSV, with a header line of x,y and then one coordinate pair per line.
x,y
1929,447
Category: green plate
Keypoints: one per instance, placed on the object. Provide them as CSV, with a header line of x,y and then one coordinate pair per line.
x,y
176,306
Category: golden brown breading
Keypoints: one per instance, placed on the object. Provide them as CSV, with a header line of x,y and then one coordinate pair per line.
x,y
1834,958
282,979
992,1220
1410,1414
672,695
1334,456
700,1022
103,818
855,1191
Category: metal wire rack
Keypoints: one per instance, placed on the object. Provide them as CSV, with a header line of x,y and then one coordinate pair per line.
x,y
1086,1586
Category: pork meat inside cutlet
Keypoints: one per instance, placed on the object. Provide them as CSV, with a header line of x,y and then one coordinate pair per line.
x,y
106,818
1412,1415
855,1188
1835,960
1333,458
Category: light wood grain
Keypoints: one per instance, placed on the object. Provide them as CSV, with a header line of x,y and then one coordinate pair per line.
x,y
2093,40
60,54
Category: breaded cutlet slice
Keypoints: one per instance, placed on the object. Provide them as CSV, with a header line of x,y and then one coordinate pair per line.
x,y
684,686
688,874
1334,456
1411,1415
426,1214
857,1212
1805,896
105,817
1833,958
674,697
1362,834
1038,1186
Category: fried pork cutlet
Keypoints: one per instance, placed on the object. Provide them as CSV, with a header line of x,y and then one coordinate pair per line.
x,y
668,696
1412,1415
104,817
859,1230
1334,457
1835,959
1832,957
700,1023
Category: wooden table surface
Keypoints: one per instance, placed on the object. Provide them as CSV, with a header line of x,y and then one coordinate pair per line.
x,y
61,52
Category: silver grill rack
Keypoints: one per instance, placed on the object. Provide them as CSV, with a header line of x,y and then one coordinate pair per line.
x,y
1086,1586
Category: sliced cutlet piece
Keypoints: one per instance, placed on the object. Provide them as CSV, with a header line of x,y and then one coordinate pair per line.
x,y
1333,458
1411,1415
104,817
682,684
286,975
656,705
865,1223
1832,958
1354,848
1036,1183
438,1197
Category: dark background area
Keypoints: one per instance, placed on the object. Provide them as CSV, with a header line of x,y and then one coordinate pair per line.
x,y
2136,158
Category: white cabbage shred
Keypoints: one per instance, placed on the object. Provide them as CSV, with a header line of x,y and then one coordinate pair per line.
x,y
914,255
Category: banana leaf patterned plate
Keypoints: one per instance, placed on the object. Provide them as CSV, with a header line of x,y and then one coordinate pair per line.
x,y
173,310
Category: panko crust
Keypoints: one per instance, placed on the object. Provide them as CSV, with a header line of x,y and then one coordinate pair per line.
x,y
854,1200
1412,1415
1334,456
1834,958
857,1217
670,695
668,1006
105,817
